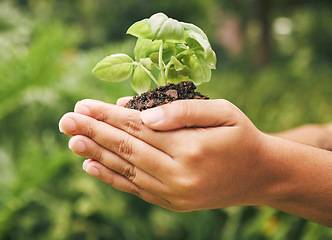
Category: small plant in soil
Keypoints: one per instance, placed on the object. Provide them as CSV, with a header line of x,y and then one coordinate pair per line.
x,y
174,55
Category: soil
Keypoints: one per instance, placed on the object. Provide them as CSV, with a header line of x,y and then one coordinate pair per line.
x,y
165,94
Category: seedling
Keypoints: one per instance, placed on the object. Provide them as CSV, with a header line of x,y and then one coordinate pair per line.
x,y
166,51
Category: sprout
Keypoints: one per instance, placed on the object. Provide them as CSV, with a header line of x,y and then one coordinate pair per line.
x,y
166,51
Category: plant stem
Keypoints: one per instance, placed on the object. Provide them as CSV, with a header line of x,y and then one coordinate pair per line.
x,y
190,50
161,63
150,74
167,69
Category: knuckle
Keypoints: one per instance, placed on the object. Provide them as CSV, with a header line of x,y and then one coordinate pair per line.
x,y
125,148
187,185
133,125
129,172
136,191
111,180
196,152
98,155
185,194
104,116
90,131
225,105
186,112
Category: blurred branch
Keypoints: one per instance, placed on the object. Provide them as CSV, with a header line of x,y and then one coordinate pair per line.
x,y
264,48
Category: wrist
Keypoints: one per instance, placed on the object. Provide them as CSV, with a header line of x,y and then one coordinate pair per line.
x,y
275,178
279,170
300,179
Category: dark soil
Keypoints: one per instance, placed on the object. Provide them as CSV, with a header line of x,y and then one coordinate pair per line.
x,y
165,94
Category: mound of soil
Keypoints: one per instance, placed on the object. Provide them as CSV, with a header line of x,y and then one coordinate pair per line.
x,y
165,94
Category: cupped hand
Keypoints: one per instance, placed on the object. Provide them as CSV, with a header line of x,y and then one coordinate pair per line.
x,y
184,156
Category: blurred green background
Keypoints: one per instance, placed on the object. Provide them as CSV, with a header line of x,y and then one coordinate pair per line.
x,y
274,62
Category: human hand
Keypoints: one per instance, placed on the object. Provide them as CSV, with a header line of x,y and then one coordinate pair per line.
x,y
214,159
310,134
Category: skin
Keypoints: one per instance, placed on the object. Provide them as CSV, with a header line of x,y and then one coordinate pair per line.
x,y
311,134
194,155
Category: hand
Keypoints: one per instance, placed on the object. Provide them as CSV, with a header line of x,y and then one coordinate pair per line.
x,y
214,162
310,134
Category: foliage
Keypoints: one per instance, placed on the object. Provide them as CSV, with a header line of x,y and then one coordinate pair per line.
x,y
44,72
176,51
105,20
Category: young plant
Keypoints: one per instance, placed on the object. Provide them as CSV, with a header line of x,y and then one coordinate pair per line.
x,y
166,51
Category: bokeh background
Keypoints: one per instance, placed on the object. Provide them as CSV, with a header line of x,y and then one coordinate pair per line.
x,y
274,62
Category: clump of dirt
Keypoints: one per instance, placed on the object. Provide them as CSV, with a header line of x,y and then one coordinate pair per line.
x,y
165,94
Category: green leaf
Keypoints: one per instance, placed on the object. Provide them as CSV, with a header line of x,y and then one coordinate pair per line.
x,y
163,27
187,54
185,71
198,41
178,66
180,47
154,57
141,29
199,73
189,27
147,48
142,45
168,52
140,80
147,63
210,58
114,68
209,61
176,77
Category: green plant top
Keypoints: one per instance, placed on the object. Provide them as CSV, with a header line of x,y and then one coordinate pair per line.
x,y
166,51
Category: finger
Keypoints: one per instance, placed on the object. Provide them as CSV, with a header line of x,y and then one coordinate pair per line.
x,y
191,113
121,183
119,142
87,148
123,101
125,119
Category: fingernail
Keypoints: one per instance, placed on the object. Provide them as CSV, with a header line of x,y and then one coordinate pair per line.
x,y
78,146
82,109
67,124
152,115
93,171
85,164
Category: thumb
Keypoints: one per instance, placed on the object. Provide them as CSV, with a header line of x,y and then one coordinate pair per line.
x,y
123,101
192,113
